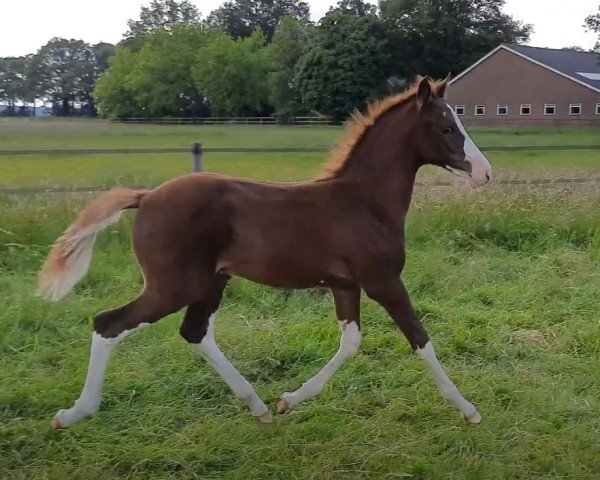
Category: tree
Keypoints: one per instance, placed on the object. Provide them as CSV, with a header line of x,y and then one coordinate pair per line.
x,y
284,52
65,72
355,7
13,81
62,71
112,92
162,80
158,80
233,75
434,37
592,23
345,64
102,52
159,15
240,18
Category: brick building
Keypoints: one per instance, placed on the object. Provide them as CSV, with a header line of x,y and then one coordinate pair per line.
x,y
515,84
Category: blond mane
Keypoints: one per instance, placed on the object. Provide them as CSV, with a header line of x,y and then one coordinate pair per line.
x,y
360,123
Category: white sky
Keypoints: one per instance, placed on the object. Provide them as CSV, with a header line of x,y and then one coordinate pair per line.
x,y
25,25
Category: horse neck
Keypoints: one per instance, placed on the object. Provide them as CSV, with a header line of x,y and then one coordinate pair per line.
x,y
383,165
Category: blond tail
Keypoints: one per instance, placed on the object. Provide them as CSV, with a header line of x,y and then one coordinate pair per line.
x,y
70,256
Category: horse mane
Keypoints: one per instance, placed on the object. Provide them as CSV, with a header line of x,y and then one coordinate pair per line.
x,y
360,123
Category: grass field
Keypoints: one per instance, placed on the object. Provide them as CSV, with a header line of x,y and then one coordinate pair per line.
x,y
507,281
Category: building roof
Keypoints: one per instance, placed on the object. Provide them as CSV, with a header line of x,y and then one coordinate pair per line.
x,y
581,67
585,66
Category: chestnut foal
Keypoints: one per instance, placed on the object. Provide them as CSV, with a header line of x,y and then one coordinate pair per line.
x,y
344,231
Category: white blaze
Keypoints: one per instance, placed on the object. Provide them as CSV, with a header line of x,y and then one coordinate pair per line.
x,y
481,171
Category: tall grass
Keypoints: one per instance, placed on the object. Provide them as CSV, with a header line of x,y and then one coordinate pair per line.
x,y
507,283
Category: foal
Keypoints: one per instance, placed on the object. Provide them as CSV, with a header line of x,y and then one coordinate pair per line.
x,y
344,231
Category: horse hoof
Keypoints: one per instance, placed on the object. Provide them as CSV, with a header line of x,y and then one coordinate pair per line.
x,y
266,418
473,418
55,424
282,405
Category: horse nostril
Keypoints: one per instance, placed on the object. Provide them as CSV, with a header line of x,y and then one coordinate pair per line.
x,y
487,175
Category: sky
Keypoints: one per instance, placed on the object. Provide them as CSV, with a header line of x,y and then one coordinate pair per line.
x,y
28,24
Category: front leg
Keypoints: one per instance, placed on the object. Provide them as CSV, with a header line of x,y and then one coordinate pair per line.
x,y
392,295
347,307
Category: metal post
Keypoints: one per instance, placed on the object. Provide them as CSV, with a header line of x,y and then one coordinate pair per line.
x,y
197,157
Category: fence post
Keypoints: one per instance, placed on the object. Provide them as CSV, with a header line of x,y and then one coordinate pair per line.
x,y
197,157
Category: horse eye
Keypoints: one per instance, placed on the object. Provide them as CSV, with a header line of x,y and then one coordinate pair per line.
x,y
447,130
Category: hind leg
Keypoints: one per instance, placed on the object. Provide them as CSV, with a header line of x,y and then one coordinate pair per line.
x,y
198,328
110,327
391,294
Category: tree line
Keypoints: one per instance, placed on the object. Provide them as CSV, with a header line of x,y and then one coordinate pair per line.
x,y
259,57
62,73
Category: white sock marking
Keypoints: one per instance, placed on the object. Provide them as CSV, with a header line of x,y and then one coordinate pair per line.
x,y
349,343
445,385
91,395
239,385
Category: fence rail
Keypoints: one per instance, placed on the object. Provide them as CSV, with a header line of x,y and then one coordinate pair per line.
x,y
138,151
229,120
197,151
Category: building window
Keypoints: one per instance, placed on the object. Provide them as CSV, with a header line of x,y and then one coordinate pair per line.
x,y
479,110
575,109
598,109
550,109
525,109
502,110
459,109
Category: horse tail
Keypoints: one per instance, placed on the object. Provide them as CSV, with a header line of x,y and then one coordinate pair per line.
x,y
71,254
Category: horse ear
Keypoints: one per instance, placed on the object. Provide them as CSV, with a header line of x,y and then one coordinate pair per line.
x,y
424,92
442,87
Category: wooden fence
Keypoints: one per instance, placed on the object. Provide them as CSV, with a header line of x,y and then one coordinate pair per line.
x,y
197,151
229,120
138,151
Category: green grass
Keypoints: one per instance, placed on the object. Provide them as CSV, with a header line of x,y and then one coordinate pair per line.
x,y
47,134
52,171
506,280
507,284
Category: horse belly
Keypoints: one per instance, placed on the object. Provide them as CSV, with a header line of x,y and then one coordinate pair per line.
x,y
274,272
284,270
